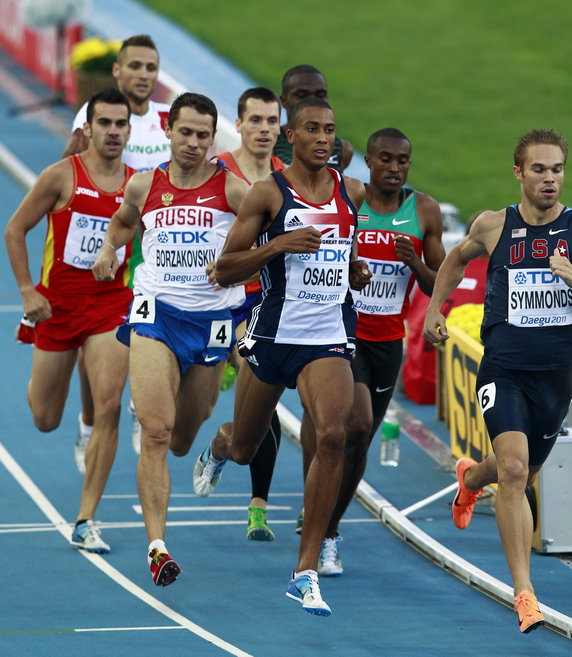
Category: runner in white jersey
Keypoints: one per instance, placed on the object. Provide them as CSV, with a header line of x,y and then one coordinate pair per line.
x,y
301,334
136,72
180,327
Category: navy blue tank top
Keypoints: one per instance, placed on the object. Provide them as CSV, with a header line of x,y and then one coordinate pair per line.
x,y
305,297
528,312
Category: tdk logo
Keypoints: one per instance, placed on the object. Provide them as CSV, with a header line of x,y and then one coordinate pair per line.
x,y
294,222
326,255
536,278
94,223
183,237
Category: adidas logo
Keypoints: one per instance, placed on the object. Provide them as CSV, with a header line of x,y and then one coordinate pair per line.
x,y
252,359
294,222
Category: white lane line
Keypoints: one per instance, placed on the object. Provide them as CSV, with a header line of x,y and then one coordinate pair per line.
x,y
174,523
135,496
95,629
137,508
424,502
119,578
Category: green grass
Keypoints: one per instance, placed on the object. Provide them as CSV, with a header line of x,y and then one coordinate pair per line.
x,y
462,78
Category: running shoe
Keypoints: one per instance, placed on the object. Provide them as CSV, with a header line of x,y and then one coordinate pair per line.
x,y
87,536
206,473
164,570
80,446
300,522
306,590
529,615
329,562
464,502
258,529
135,429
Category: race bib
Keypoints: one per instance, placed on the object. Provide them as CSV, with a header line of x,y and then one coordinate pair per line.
x,y
142,310
385,293
86,234
320,277
538,298
221,333
180,257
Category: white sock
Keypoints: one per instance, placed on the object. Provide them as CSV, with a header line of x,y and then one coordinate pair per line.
x,y
305,572
84,428
156,544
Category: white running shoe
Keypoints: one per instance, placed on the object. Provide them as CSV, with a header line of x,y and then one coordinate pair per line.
x,y
206,473
306,590
330,563
81,445
87,536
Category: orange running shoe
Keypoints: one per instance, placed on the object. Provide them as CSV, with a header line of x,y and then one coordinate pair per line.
x,y
529,615
464,502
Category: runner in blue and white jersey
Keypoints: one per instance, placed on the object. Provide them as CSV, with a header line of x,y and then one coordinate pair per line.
x,y
301,334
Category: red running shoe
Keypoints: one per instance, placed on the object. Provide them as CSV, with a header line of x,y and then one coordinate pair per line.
x,y
164,570
464,502
529,615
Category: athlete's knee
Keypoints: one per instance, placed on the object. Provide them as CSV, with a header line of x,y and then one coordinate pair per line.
x,y
155,432
330,440
512,471
46,422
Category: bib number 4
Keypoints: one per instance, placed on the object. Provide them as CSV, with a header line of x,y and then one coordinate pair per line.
x,y
221,333
142,310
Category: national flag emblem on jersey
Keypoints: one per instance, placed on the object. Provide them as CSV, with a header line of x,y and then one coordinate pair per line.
x,y
518,232
164,118
167,198
363,217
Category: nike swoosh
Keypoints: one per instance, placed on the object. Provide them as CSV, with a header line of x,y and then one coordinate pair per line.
x,y
204,200
552,436
208,359
383,389
555,232
398,223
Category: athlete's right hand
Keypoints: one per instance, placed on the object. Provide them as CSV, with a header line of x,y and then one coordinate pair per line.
x,y
435,327
301,240
36,307
106,265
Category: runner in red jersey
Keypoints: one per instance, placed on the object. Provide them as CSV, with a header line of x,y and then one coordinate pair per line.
x,y
71,309
179,322
258,124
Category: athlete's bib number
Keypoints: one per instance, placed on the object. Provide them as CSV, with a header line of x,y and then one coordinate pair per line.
x,y
142,310
486,396
221,333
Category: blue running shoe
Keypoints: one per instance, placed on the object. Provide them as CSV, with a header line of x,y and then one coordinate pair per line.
x,y
306,590
207,473
87,536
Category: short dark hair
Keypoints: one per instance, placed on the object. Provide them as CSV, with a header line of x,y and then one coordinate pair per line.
x,y
300,68
391,133
111,96
141,40
202,104
536,137
259,93
311,101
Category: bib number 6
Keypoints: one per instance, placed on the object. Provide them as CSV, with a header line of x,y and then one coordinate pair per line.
x,y
142,310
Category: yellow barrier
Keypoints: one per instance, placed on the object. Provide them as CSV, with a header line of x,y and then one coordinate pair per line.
x,y
469,435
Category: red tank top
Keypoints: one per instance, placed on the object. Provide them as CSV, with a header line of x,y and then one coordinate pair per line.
x,y
76,233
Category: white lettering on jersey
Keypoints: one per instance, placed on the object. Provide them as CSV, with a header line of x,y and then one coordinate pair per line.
x,y
85,237
538,298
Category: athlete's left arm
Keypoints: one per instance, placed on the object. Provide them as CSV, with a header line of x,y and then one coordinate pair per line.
x,y
360,274
561,266
431,222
